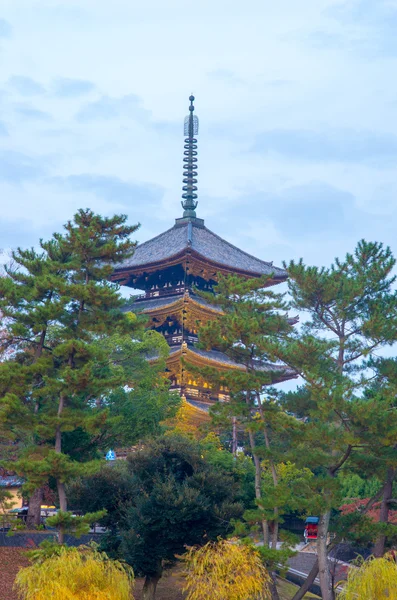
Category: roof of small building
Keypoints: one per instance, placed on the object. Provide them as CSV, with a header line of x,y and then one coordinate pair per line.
x,y
194,236
11,481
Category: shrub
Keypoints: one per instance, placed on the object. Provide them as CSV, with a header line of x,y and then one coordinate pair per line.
x,y
226,570
76,574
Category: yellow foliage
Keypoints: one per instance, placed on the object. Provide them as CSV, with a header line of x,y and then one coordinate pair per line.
x,y
188,420
374,579
226,570
76,574
131,316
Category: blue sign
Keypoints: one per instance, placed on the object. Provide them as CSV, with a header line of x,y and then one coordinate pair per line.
x,y
111,455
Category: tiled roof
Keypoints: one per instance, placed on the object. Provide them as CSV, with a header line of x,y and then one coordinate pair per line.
x,y
11,481
152,303
194,236
220,357
164,301
215,356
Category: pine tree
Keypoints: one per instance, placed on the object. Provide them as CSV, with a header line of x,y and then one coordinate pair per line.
x,y
376,415
352,312
87,346
28,305
253,320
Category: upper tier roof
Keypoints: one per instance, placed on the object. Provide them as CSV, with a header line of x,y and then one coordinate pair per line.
x,y
191,235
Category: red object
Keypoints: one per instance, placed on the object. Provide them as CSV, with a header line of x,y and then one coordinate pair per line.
x,y
311,531
374,513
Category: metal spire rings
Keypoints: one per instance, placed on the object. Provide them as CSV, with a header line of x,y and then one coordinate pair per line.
x,y
189,202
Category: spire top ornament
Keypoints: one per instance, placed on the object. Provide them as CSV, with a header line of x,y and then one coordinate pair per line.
x,y
189,202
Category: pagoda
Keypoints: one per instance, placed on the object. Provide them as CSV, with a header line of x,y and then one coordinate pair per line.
x,y
170,268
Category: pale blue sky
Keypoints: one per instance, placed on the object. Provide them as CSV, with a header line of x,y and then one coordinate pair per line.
x,y
297,104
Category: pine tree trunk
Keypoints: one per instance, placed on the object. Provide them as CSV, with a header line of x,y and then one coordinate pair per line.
x,y
275,530
258,490
274,474
273,590
234,436
379,549
150,586
309,582
322,555
60,485
33,518
258,478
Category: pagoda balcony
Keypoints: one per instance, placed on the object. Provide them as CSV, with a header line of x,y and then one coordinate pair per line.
x,y
200,395
177,339
161,292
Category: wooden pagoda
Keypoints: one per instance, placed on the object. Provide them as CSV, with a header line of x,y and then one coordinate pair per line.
x,y
169,267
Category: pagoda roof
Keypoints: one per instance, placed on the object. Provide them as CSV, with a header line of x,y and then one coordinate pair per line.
x,y
219,359
157,303
191,236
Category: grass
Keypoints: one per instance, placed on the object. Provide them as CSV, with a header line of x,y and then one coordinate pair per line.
x,y
287,590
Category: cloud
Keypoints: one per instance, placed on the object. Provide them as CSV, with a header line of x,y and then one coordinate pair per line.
x,y
3,129
106,108
315,209
226,76
5,29
16,167
111,188
26,86
365,12
330,145
372,25
29,112
22,232
69,88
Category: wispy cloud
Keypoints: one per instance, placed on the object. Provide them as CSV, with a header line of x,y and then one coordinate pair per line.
x,y
106,108
3,129
111,188
26,86
369,26
31,113
329,145
315,208
69,88
226,76
17,168
22,232
5,29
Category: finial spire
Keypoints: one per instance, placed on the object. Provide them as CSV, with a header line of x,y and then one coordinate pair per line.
x,y
189,202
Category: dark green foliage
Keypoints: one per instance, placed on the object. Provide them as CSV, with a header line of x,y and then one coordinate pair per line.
x,y
178,499
109,489
240,467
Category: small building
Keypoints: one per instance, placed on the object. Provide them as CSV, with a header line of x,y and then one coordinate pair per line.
x,y
13,484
